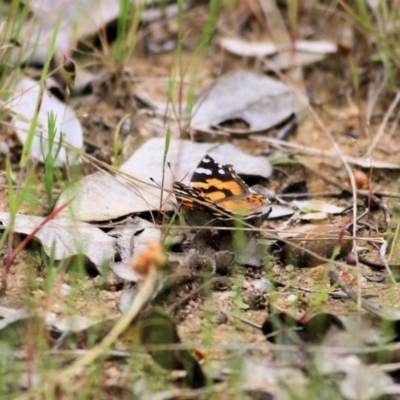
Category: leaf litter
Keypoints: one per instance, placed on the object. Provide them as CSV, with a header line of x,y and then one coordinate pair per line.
x,y
206,272
67,128
100,196
64,238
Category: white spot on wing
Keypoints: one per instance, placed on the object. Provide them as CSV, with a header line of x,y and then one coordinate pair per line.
x,y
221,171
204,171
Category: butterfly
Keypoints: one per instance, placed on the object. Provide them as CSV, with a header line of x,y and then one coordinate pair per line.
x,y
216,191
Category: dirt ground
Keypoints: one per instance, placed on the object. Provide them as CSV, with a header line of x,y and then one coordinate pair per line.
x,y
333,99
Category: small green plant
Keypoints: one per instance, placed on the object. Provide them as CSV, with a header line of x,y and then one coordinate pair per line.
x,y
12,52
129,19
195,62
373,18
32,129
51,269
50,155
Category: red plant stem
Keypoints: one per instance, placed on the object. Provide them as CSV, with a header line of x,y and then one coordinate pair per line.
x,y
11,256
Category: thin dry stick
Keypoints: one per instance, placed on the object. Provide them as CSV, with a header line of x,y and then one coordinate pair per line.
x,y
140,302
203,287
12,255
349,171
382,126
353,188
142,299
301,149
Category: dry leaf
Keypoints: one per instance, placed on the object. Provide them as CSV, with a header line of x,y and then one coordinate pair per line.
x,y
63,238
22,106
101,197
260,102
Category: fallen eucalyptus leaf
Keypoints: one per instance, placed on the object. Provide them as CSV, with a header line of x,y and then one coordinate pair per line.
x,y
101,197
62,238
259,101
125,272
10,315
245,48
263,378
23,104
367,382
316,216
307,206
288,59
145,233
72,323
279,211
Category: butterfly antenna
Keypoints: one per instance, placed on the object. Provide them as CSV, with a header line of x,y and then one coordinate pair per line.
x,y
170,170
156,183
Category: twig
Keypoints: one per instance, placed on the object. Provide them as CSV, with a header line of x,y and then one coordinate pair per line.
x,y
142,299
381,194
343,187
311,151
385,312
310,195
195,292
11,256
240,318
382,126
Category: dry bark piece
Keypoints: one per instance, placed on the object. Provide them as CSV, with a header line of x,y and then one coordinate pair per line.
x,y
100,197
321,241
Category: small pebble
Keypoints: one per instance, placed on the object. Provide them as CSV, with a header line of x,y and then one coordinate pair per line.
x,y
126,127
289,268
261,285
291,298
65,289
219,318
4,149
